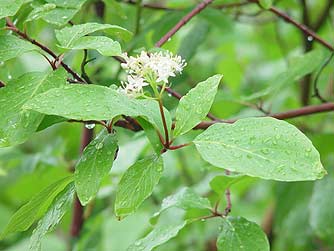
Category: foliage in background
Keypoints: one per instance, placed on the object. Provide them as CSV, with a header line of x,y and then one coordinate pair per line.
x,y
146,180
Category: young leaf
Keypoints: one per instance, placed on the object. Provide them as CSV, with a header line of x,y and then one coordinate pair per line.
x,y
12,47
137,184
35,208
52,217
221,182
104,45
94,164
10,7
69,35
16,124
261,147
321,208
186,199
159,235
194,106
239,234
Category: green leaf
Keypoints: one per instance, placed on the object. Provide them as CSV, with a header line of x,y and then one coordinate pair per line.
x,y
266,4
40,11
239,234
52,217
159,235
12,47
220,183
56,12
195,37
298,68
94,102
261,147
151,134
104,45
59,16
50,120
35,208
194,106
137,184
10,7
94,164
185,199
16,124
321,208
68,36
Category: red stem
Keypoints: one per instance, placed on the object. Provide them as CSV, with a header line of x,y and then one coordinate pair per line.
x,y
161,108
304,111
302,27
23,35
183,21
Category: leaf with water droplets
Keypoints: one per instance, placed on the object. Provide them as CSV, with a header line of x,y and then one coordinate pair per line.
x,y
137,184
94,164
94,102
195,105
10,7
252,147
17,124
35,208
12,47
52,217
69,36
158,236
239,234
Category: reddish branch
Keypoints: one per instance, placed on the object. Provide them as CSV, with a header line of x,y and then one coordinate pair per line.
x,y
183,21
301,27
24,36
2,84
304,111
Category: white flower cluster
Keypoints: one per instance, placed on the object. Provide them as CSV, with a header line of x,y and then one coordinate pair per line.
x,y
147,68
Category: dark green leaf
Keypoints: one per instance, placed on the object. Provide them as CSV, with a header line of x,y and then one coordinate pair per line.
x,y
52,217
137,184
94,164
17,124
35,208
239,234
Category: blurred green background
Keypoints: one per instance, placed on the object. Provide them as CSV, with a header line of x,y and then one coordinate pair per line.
x,y
253,49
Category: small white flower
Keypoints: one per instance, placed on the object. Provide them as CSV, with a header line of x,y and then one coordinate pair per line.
x,y
134,86
159,66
